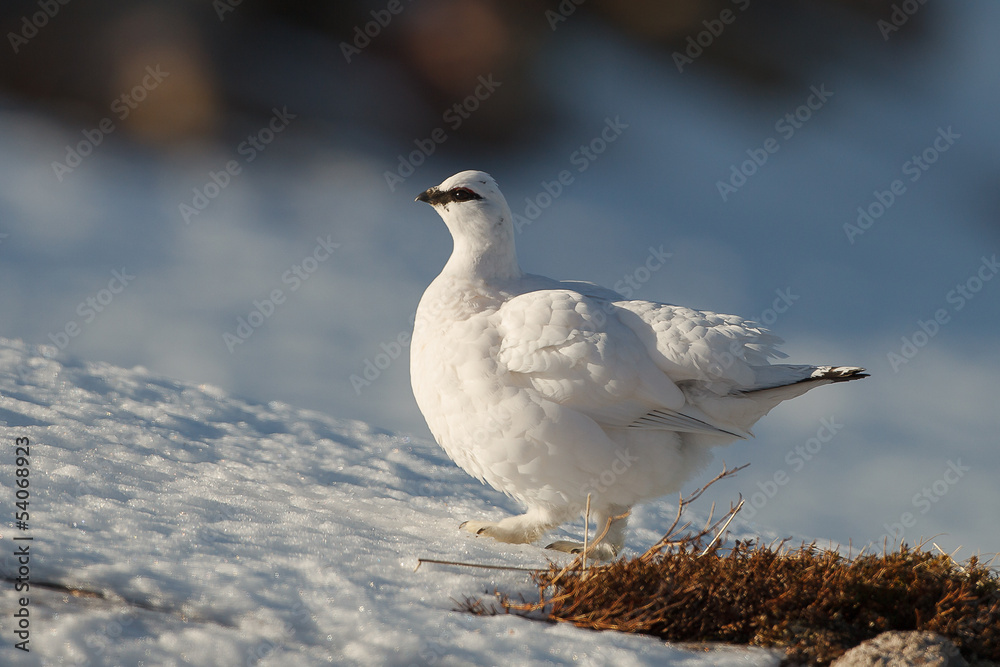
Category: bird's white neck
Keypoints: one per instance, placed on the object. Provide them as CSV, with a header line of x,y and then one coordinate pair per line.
x,y
484,256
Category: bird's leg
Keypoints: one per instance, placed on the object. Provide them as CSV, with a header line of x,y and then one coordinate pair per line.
x,y
613,542
522,529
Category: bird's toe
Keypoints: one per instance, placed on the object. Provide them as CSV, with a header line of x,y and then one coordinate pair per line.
x,y
600,551
476,527
566,546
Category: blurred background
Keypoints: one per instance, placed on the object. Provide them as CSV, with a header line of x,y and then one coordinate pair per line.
x,y
222,192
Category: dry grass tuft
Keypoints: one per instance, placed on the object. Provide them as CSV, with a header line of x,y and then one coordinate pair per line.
x,y
813,602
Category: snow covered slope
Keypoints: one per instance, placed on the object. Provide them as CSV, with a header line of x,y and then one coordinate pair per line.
x,y
210,531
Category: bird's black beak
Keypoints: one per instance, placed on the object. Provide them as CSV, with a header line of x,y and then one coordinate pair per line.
x,y
426,195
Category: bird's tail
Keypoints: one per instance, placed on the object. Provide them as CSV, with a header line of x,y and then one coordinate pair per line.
x,y
775,384
783,375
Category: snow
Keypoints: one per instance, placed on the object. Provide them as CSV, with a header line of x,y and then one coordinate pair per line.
x,y
224,532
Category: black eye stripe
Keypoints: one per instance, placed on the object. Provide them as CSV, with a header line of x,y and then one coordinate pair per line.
x,y
461,194
436,197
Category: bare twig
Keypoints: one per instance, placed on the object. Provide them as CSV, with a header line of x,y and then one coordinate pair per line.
x,y
669,537
732,515
421,561
576,561
950,557
711,513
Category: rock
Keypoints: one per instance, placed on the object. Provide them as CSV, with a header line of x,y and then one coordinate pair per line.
x,y
899,649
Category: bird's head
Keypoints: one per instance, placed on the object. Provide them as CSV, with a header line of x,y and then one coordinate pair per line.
x,y
478,218
467,193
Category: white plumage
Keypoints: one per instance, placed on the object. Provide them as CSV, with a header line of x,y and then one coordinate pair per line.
x,y
549,391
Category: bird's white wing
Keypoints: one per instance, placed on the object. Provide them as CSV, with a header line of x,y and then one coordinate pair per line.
x,y
573,350
724,352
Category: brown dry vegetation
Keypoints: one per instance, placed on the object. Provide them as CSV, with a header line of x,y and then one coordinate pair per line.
x,y
813,602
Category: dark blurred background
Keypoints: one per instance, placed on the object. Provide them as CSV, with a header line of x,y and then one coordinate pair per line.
x,y
229,59
209,149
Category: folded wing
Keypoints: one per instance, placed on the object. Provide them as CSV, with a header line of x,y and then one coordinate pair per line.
x,y
576,350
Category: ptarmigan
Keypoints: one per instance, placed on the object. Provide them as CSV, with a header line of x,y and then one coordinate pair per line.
x,y
552,390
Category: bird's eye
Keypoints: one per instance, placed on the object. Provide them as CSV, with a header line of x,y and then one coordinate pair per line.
x,y
463,194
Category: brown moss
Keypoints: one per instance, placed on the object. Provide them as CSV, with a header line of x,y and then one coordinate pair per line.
x,y
813,602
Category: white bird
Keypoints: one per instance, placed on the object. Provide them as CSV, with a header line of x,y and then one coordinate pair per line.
x,y
552,390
